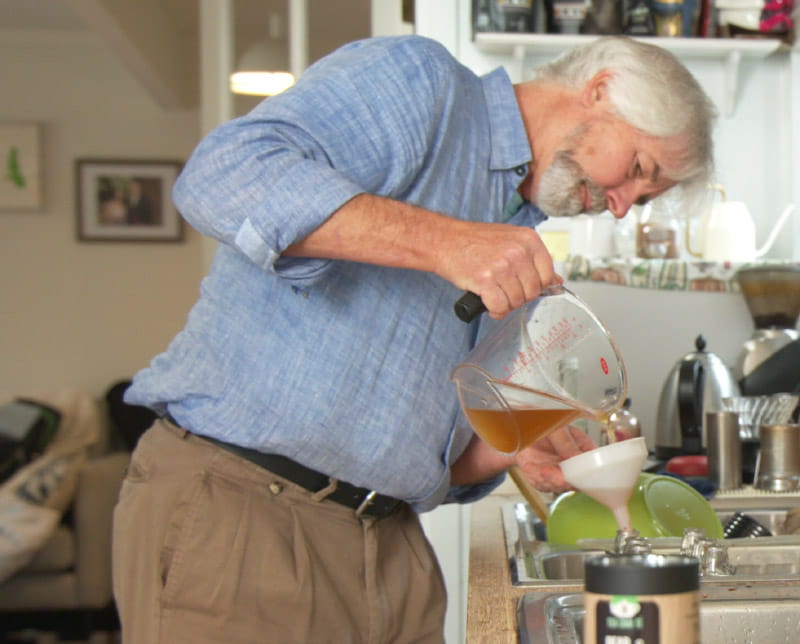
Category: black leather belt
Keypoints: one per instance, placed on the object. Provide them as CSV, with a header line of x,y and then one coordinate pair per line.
x,y
364,502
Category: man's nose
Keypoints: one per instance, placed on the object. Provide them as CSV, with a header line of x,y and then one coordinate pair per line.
x,y
619,200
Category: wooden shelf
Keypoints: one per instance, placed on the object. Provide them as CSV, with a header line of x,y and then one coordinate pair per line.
x,y
728,51
714,48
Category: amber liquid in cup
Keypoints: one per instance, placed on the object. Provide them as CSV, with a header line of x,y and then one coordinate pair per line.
x,y
510,430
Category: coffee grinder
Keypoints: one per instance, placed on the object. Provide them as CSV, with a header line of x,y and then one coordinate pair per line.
x,y
769,361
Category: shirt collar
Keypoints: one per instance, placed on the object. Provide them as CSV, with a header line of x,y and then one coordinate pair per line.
x,y
510,147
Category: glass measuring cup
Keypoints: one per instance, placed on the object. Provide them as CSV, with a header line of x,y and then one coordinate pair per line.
x,y
548,363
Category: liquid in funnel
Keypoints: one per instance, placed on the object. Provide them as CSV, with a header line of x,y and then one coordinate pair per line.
x,y
608,474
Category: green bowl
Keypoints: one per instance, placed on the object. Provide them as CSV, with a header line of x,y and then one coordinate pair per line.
x,y
660,506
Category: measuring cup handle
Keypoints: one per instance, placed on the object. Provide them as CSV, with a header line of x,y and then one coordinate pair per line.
x,y
469,306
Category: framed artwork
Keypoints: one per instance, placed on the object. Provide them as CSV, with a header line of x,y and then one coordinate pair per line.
x,y
21,176
127,200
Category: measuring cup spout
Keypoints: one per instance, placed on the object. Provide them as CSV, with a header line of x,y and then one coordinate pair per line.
x,y
471,377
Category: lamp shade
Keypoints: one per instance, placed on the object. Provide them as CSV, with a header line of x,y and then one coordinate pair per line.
x,y
260,83
255,73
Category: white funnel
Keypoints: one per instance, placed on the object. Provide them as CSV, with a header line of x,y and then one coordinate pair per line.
x,y
608,474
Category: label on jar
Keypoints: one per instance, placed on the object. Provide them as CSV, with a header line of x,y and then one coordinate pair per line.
x,y
625,619
631,619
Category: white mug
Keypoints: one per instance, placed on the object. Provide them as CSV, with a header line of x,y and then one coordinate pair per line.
x,y
592,235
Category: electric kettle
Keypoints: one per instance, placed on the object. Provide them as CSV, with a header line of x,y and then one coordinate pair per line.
x,y
696,384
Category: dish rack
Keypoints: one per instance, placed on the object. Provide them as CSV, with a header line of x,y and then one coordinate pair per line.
x,y
748,497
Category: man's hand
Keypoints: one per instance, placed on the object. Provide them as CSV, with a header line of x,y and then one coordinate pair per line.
x,y
505,265
539,462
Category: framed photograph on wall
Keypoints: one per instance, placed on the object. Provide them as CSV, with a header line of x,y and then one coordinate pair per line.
x,y
21,176
127,200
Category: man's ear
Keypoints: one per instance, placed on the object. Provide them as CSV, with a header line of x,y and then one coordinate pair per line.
x,y
595,91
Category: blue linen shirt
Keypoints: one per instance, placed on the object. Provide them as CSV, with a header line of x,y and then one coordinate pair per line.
x,y
344,367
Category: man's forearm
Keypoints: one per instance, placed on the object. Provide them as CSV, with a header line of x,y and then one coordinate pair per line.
x,y
377,230
506,265
479,462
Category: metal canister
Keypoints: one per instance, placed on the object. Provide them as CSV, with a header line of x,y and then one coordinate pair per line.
x,y
649,599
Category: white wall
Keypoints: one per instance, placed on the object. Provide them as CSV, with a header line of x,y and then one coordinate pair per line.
x,y
85,314
655,329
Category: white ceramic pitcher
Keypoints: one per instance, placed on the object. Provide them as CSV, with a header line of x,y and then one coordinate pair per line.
x,y
729,232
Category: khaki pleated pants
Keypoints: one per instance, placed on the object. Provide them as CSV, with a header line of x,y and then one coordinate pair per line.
x,y
210,548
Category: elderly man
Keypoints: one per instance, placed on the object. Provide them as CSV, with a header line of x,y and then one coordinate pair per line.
x,y
307,411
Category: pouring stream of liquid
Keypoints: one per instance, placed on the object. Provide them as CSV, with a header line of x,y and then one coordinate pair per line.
x,y
530,493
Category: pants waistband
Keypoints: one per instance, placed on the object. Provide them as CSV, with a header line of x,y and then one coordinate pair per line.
x,y
363,501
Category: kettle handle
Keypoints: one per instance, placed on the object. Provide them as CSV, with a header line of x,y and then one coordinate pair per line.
x,y
691,380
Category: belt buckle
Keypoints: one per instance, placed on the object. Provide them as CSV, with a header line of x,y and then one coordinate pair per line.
x,y
365,503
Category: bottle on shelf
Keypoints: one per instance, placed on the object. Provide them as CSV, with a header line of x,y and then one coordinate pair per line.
x,y
657,233
638,21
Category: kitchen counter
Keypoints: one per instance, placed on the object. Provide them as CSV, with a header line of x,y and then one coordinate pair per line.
x,y
492,600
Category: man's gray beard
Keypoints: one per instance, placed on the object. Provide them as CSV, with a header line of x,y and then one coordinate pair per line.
x,y
559,192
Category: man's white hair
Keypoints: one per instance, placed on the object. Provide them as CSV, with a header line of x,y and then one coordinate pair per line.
x,y
652,91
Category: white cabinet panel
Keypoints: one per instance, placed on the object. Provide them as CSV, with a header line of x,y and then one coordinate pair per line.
x,y
447,528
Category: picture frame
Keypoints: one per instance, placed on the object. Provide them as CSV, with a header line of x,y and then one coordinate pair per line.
x,y
21,175
127,200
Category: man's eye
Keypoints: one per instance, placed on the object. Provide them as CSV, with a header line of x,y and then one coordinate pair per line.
x,y
637,170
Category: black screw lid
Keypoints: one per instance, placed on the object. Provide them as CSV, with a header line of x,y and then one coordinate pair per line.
x,y
641,574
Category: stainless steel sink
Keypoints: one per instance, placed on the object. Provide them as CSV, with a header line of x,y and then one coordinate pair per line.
x,y
534,562
752,560
746,614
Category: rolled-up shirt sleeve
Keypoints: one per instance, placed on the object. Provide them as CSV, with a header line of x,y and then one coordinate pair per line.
x,y
266,180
